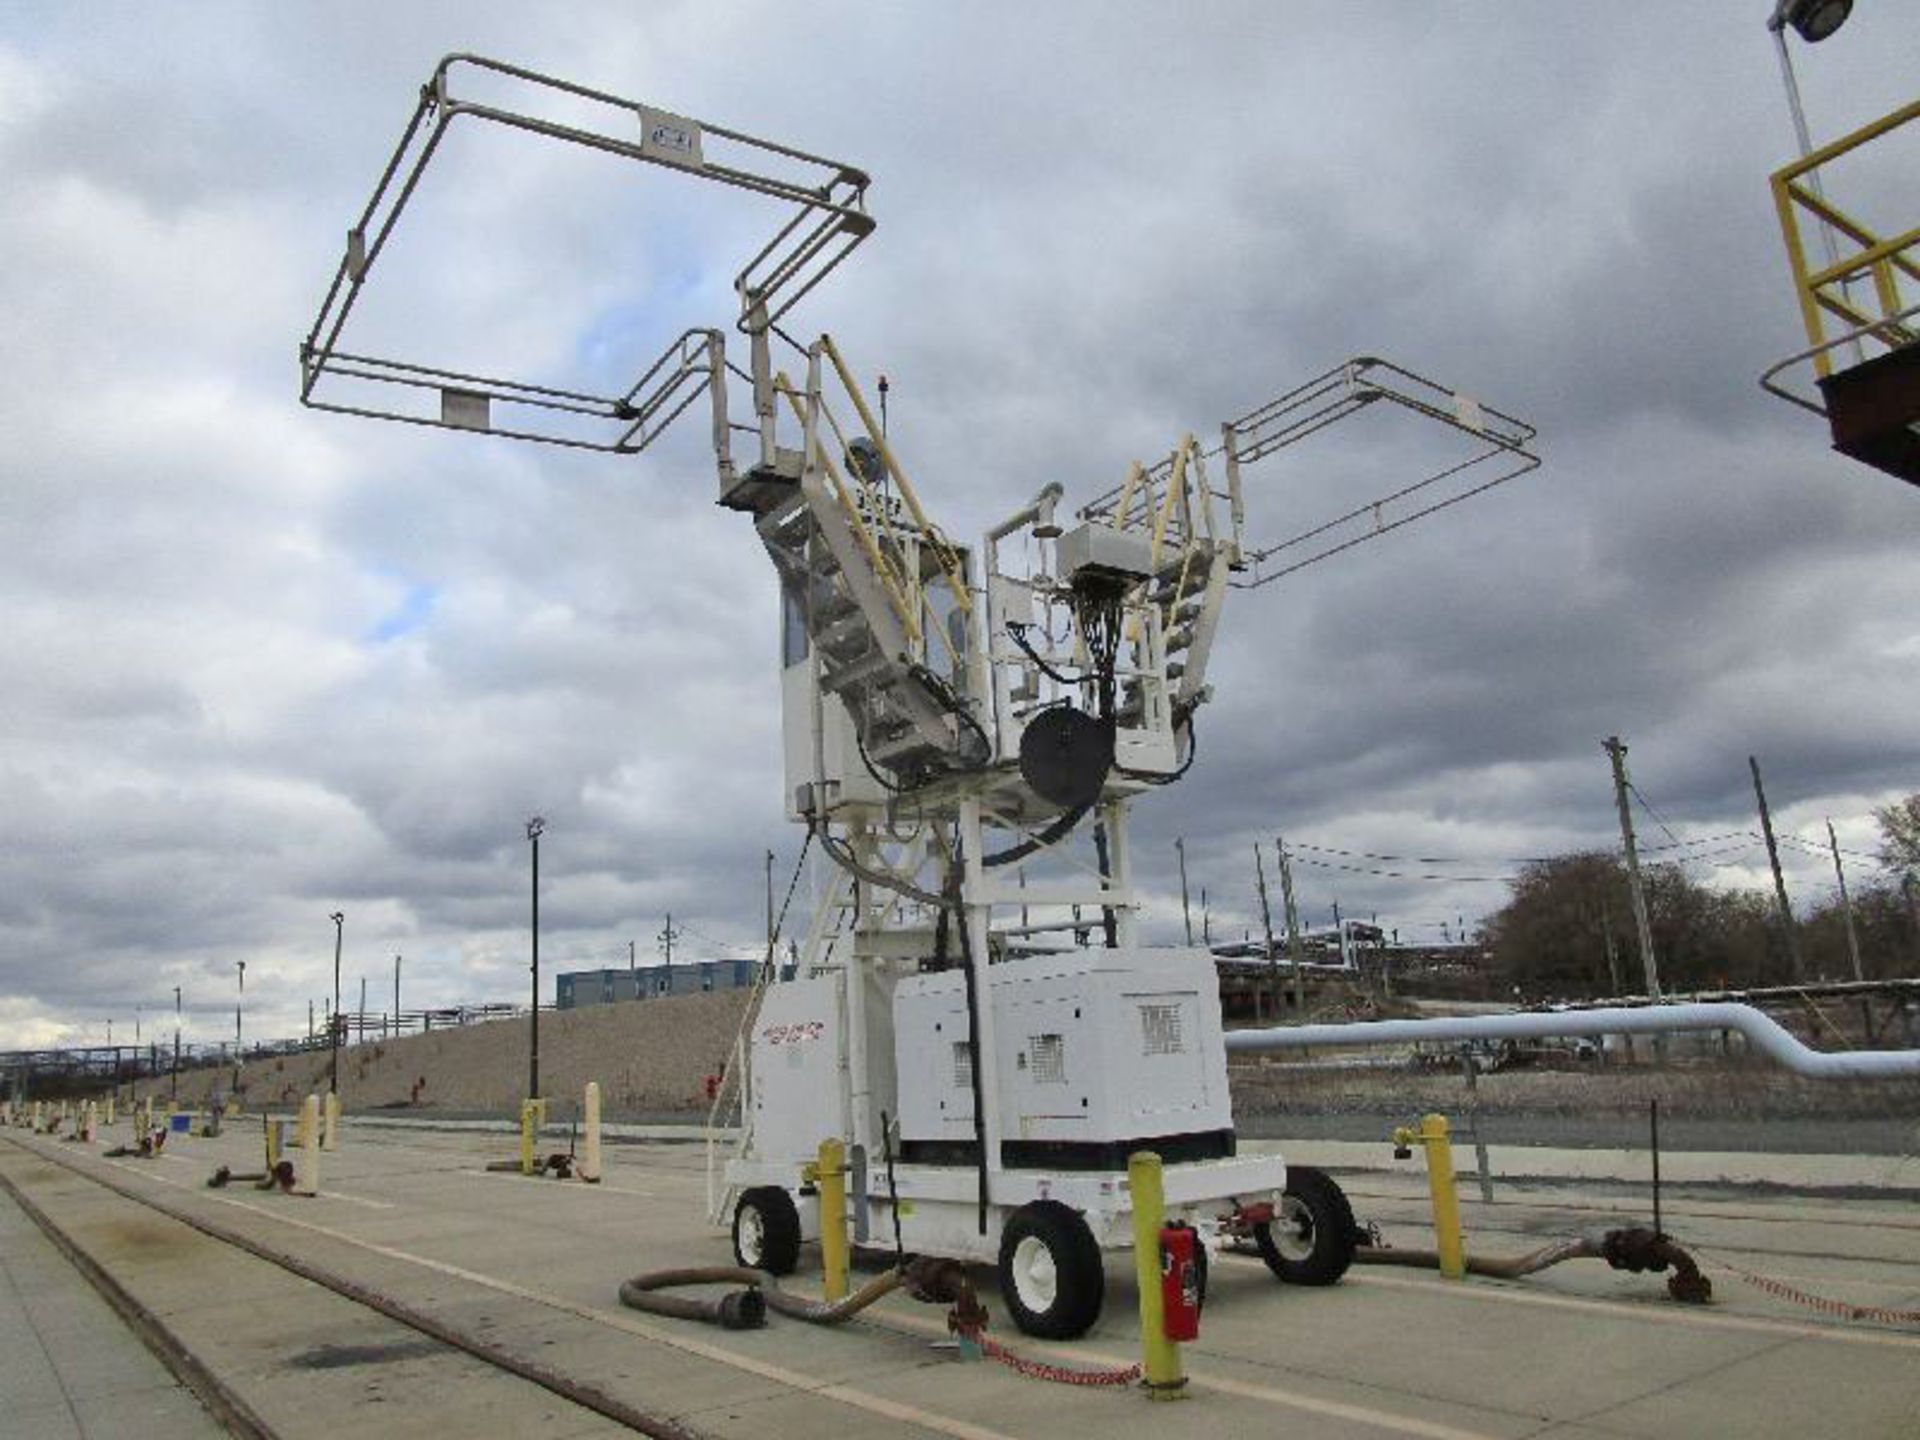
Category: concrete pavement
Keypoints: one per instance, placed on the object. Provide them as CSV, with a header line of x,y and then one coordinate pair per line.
x,y
1579,1351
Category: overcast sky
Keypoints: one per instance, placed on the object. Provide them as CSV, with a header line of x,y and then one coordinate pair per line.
x,y
261,663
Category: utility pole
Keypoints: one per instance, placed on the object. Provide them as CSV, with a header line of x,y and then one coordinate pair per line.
x,y
396,995
361,1019
309,1020
1846,906
1787,934
1910,892
333,1021
1206,920
770,897
1266,926
534,827
666,938
1186,907
633,960
1618,754
1294,947
173,1086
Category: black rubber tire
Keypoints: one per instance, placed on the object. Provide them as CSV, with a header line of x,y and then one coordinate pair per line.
x,y
778,1227
1079,1281
1325,1221
1200,1269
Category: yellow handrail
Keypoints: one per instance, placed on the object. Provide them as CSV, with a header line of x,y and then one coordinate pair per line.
x,y
949,560
890,578
1881,259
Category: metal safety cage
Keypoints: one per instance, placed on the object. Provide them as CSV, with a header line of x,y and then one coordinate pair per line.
x,y
828,220
1498,451
1869,395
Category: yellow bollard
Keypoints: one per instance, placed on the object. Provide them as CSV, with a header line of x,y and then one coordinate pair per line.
x,y
533,1114
330,1123
310,1145
1163,1374
590,1158
146,1116
829,1174
88,1119
1434,1138
109,1111
272,1128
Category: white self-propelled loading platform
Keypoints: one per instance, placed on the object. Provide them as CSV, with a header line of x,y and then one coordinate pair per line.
x,y
965,732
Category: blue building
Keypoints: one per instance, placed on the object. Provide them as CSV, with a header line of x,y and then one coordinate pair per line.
x,y
575,988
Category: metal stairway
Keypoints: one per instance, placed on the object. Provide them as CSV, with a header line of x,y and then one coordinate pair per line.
x,y
858,587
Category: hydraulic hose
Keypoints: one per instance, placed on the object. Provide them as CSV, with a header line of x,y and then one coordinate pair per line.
x,y
1493,1267
1636,1249
744,1309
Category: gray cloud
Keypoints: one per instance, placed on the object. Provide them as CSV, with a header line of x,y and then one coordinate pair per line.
x,y
262,662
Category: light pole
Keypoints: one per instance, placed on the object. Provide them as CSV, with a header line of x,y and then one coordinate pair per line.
x,y
237,1006
173,1083
534,827
333,1024
1186,909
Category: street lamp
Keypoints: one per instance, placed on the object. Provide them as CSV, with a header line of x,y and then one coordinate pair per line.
x,y
333,1027
534,827
1812,20
237,1004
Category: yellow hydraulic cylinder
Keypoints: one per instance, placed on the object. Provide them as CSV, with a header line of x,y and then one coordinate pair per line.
x,y
330,1124
829,1174
590,1123
1160,1364
533,1114
1433,1136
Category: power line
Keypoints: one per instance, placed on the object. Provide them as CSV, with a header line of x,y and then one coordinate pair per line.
x,y
1405,875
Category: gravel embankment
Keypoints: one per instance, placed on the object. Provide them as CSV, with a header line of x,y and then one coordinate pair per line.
x,y
650,1057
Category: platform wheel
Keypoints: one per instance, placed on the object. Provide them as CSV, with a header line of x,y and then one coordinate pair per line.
x,y
766,1231
1311,1238
1051,1277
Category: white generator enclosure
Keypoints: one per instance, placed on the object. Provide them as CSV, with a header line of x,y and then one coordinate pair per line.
x,y
1099,1051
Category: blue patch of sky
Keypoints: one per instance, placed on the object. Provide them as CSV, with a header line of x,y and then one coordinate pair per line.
x,y
631,332
413,611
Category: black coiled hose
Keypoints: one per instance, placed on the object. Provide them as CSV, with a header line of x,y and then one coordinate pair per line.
x,y
743,1309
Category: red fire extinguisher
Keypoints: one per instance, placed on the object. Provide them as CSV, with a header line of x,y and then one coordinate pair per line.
x,y
1179,1282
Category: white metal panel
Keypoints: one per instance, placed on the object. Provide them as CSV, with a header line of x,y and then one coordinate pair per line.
x,y
796,1074
930,1050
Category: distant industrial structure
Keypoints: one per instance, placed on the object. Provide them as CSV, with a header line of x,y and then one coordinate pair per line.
x,y
575,988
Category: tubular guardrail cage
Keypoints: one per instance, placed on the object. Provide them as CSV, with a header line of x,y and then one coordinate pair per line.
x,y
1872,404
828,219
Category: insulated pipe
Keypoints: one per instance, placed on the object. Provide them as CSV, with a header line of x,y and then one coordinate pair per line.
x,y
1762,1033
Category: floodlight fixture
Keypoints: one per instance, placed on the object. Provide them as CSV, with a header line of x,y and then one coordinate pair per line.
x,y
1812,20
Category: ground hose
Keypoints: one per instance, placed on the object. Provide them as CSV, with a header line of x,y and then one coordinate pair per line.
x,y
746,1308
1634,1250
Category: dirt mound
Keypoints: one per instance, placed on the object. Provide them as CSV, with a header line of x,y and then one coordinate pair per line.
x,y
650,1057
